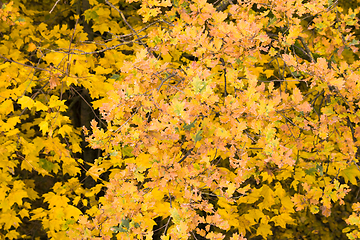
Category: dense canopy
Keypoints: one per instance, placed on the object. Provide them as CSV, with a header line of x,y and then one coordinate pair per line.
x,y
177,119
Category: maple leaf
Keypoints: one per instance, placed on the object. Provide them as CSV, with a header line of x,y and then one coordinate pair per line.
x,y
264,230
11,220
297,96
282,219
178,107
44,126
26,102
304,107
350,174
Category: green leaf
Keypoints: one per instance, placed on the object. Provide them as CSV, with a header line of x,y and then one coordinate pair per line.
x,y
197,137
115,76
45,164
20,19
310,171
127,151
125,223
123,226
91,15
320,169
188,127
196,166
157,40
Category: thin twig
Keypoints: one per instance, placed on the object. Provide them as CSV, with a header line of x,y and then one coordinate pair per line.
x,y
54,6
307,49
128,119
22,64
186,155
89,53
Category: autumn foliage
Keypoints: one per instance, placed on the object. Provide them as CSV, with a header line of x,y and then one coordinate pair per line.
x,y
210,119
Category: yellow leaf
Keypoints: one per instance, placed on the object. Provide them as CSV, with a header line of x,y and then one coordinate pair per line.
x,y
269,198
266,177
17,193
350,174
11,219
6,107
337,82
282,219
141,54
38,213
294,32
95,172
55,102
31,47
137,120
10,124
55,199
66,129
148,222
178,107
71,211
163,237
102,70
44,126
272,52
221,132
254,215
24,213
26,102
264,230
40,106
13,234
231,189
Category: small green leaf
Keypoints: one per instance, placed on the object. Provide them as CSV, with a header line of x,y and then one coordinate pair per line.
x,y
20,19
91,15
196,166
320,169
197,136
310,171
125,223
113,153
45,164
136,225
115,76
123,226
127,151
189,126
157,40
